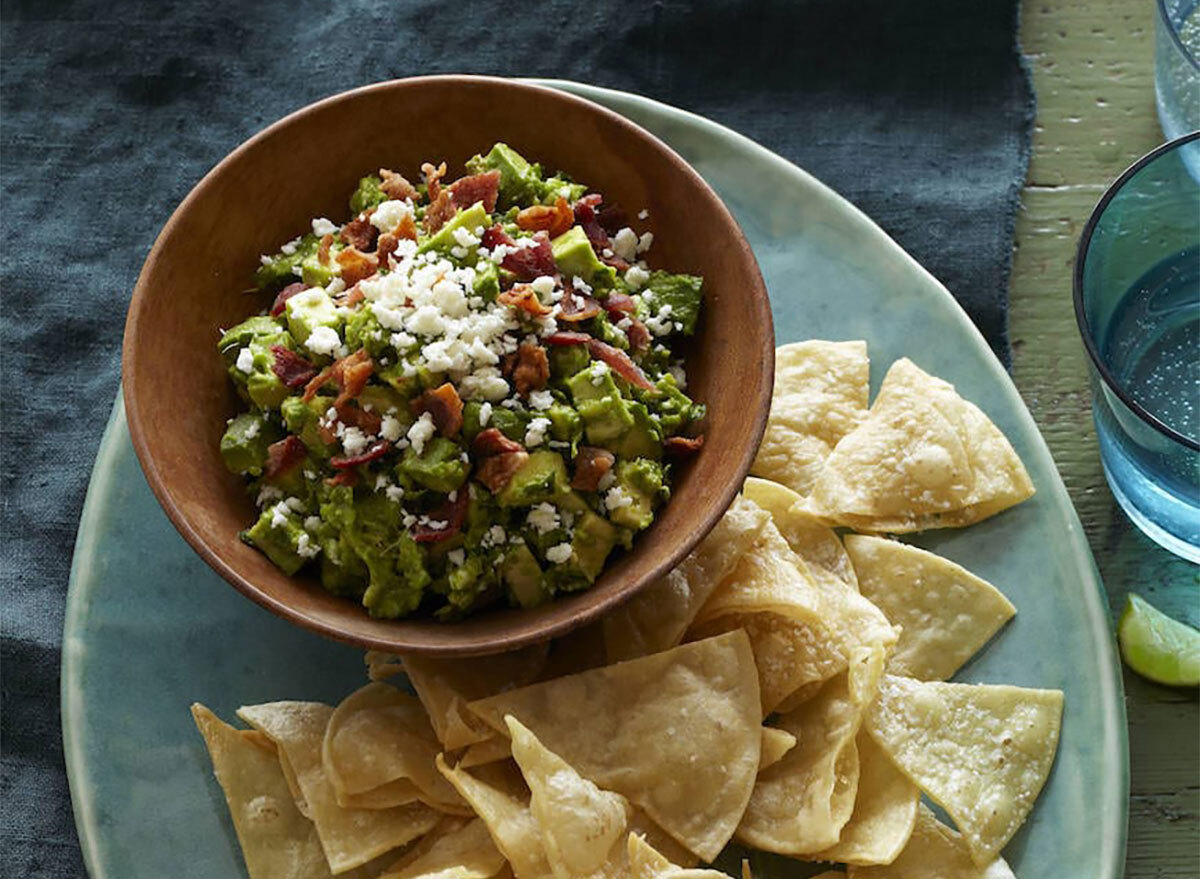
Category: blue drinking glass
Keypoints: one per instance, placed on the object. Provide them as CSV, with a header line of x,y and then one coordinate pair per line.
x,y
1137,301
1176,71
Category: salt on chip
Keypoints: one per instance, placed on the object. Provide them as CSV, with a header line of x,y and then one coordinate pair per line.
x,y
677,733
464,851
807,535
350,837
945,612
885,810
981,752
800,805
504,809
934,850
820,395
277,841
582,827
379,734
775,743
445,686
657,617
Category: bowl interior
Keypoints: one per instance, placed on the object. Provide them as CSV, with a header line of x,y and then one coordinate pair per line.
x,y
194,281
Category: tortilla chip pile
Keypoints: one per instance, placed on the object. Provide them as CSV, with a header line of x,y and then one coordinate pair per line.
x,y
783,687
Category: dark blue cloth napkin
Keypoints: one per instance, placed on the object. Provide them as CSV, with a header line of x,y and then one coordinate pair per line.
x,y
919,112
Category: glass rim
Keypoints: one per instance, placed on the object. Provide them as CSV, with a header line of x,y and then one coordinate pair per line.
x,y
1089,342
1174,31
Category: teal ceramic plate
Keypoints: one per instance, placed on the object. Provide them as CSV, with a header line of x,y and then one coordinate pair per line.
x,y
150,628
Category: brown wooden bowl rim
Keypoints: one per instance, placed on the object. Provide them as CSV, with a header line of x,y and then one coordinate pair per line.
x,y
757,302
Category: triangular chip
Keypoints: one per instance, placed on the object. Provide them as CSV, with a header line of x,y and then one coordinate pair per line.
x,y
945,612
495,748
657,617
277,841
934,850
350,837
807,535
980,752
820,395
676,733
582,827
379,735
885,809
463,851
646,862
775,743
923,458
800,804
504,808
445,686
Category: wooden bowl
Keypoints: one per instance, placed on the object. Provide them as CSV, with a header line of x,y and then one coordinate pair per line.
x,y
178,397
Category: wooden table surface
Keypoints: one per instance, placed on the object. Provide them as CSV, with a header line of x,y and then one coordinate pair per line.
x,y
1093,70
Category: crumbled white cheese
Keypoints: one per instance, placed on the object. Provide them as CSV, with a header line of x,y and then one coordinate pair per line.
x,y
543,518
279,515
394,493
305,548
464,237
645,242
312,523
541,400
322,227
251,430
581,285
680,376
421,432
542,285
559,554
485,414
625,243
598,371
267,494
643,214
456,557
389,214
354,441
636,277
245,361
617,498
391,429
536,434
606,481
323,340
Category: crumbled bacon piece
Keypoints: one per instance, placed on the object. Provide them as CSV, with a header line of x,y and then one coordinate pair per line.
x,y
553,219
576,308
683,445
611,259
491,441
620,363
445,406
567,338
292,369
353,296
612,219
345,477
639,337
532,370
356,266
618,303
355,416
284,456
496,471
439,212
280,304
590,466
524,298
323,249
585,216
528,263
350,374
406,228
395,186
387,246
450,514
483,187
494,236
348,462
360,233
433,177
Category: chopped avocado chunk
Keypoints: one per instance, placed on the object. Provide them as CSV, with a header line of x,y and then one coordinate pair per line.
x,y
520,181
511,422
244,443
604,411
542,478
487,282
566,360
395,564
593,541
632,500
438,467
363,330
301,419
386,401
470,219
280,270
523,577
558,186
265,330
342,571
308,310
252,372
315,273
642,440
682,292
565,423
573,255
467,585
673,409
281,537
368,195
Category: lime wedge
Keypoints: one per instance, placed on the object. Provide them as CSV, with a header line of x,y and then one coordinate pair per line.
x,y
1158,647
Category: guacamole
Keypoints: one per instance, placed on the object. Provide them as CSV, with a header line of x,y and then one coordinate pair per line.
x,y
463,396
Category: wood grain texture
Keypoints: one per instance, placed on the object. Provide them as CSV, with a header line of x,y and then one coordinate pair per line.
x,y
1093,72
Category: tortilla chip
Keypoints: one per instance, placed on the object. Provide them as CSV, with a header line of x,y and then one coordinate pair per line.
x,y
378,735
980,752
884,810
820,395
800,804
582,827
464,850
381,666
480,753
934,850
445,686
775,743
657,617
676,733
277,841
350,837
798,698
504,808
386,796
924,458
945,612
808,536
646,862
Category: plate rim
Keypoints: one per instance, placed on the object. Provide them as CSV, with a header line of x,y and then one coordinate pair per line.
x,y
1114,837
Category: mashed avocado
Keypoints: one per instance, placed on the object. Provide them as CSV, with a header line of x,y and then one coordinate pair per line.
x,y
446,406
